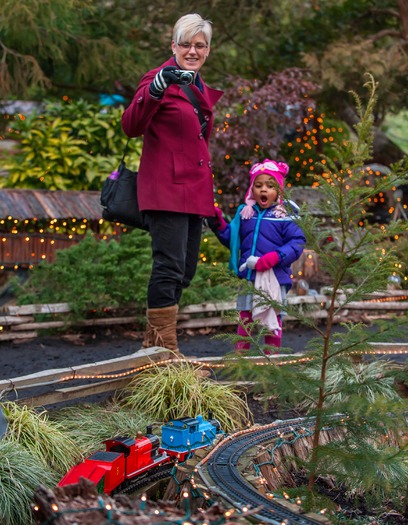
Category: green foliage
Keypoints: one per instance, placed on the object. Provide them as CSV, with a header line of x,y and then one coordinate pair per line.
x,y
207,286
89,425
42,438
177,390
68,146
208,283
74,45
94,275
375,472
347,381
21,473
396,127
212,251
97,274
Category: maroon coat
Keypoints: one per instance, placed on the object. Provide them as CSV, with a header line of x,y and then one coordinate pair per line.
x,y
175,171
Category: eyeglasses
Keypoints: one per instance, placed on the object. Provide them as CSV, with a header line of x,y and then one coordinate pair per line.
x,y
198,47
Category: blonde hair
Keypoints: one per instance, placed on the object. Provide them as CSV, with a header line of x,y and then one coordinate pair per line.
x,y
188,26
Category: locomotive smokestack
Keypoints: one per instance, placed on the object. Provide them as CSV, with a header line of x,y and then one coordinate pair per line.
x,y
149,429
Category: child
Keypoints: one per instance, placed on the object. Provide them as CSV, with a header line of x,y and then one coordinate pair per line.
x,y
261,237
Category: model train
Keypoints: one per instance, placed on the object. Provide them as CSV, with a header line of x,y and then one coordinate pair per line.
x,y
126,461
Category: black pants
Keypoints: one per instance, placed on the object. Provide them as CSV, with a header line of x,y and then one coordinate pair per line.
x,y
176,241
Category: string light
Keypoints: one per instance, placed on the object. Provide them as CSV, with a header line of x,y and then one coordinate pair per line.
x,y
34,232
203,364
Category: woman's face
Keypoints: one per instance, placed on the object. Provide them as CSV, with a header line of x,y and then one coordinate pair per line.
x,y
191,55
265,191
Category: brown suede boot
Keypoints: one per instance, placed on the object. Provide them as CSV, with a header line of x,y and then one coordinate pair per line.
x,y
161,328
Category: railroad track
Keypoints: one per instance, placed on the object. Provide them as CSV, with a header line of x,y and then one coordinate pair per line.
x,y
146,479
219,471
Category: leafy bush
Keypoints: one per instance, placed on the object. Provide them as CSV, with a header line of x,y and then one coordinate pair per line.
x,y
68,146
95,275
254,119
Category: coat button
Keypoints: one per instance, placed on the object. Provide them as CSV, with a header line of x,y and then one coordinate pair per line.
x,y
207,118
209,164
140,99
200,136
201,162
195,111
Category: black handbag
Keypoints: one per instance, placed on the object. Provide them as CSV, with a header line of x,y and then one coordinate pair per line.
x,y
119,197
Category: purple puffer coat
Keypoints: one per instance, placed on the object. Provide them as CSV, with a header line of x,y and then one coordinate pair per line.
x,y
265,232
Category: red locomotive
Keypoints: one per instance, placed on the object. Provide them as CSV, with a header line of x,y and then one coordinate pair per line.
x,y
128,462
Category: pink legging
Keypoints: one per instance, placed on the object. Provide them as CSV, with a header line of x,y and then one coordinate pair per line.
x,y
271,339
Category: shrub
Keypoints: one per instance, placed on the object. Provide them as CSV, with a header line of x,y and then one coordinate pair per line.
x,y
68,146
95,275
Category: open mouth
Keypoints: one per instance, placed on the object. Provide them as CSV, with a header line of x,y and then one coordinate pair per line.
x,y
264,199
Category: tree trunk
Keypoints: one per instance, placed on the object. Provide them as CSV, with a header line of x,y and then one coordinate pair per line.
x,y
403,12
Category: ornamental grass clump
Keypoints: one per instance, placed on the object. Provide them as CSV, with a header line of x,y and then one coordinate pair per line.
x,y
179,390
89,425
42,438
21,473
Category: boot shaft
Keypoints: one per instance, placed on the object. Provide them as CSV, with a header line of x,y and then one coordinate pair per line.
x,y
161,327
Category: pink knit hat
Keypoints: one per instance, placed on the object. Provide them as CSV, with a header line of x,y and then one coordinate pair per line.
x,y
277,170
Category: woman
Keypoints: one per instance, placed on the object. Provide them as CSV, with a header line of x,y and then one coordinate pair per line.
x,y
175,188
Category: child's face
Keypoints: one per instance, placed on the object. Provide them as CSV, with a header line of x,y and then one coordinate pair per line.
x,y
265,191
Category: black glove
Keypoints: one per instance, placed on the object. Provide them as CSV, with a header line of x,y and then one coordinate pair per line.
x,y
162,81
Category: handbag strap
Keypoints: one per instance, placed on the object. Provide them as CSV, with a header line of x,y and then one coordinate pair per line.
x,y
125,151
193,99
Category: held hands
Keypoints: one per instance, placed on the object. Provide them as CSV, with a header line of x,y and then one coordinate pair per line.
x,y
217,223
162,81
261,264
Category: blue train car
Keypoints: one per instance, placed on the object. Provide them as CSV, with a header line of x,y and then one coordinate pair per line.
x,y
183,436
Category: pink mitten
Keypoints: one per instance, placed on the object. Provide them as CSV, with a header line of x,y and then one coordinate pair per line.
x,y
267,261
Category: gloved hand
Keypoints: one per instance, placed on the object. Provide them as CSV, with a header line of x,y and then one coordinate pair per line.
x,y
267,261
162,81
249,263
217,223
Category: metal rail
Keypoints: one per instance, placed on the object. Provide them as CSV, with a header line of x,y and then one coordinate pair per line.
x,y
219,471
